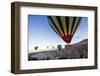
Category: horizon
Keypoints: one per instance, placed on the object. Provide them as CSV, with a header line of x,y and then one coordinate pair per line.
x,y
50,49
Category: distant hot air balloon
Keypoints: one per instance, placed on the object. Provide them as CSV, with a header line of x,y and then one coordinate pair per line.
x,y
65,27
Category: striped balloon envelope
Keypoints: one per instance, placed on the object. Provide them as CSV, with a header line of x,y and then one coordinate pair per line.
x,y
64,26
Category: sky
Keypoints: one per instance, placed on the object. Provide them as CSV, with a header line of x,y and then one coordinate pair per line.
x,y
41,34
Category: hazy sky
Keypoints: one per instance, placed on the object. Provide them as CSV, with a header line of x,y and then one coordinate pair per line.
x,y
41,34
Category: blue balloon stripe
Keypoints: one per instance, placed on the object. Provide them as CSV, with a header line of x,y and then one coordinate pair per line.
x,y
50,18
73,24
60,23
77,24
67,24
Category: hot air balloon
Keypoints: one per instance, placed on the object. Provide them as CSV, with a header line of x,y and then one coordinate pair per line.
x,y
64,26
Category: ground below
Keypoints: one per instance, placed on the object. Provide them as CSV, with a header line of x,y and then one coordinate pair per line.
x,y
74,51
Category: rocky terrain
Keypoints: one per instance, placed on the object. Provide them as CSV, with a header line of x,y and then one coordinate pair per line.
x,y
74,51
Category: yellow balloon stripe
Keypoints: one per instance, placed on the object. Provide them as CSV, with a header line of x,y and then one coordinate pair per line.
x,y
54,28
76,22
64,24
70,25
57,24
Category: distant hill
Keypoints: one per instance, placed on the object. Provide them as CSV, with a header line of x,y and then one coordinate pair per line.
x,y
74,51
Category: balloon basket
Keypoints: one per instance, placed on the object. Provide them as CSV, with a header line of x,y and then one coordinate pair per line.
x,y
68,45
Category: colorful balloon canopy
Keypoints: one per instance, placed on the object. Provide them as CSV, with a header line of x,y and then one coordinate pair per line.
x,y
65,27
